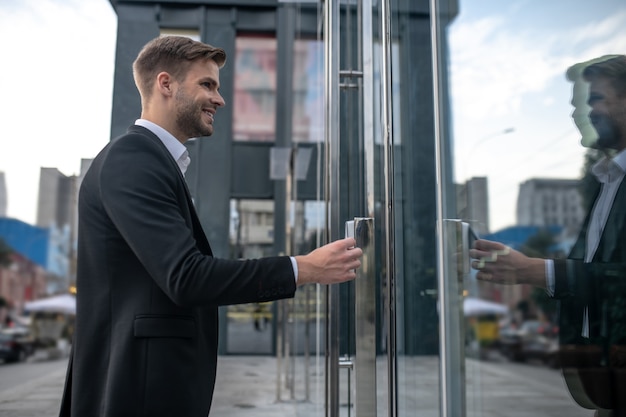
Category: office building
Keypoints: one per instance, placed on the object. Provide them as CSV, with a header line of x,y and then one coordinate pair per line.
x,y
551,201
473,204
56,198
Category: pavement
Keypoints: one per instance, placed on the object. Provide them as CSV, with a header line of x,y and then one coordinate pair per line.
x,y
39,397
247,387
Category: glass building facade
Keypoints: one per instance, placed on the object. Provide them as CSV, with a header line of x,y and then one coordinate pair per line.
x,y
417,122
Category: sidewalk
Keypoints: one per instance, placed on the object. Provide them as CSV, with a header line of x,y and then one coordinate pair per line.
x,y
246,387
39,397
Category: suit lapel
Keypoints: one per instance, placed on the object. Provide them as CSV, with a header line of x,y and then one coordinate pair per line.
x,y
615,222
198,231
580,246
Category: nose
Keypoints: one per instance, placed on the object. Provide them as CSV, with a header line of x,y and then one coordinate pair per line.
x,y
218,100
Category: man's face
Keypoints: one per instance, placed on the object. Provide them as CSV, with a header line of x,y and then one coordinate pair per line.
x,y
197,100
608,114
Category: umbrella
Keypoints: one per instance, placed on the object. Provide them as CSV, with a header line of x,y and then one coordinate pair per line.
x,y
65,303
476,307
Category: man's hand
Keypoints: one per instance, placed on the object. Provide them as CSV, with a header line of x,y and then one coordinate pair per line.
x,y
332,263
500,264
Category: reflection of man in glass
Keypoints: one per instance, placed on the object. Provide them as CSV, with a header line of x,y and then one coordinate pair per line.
x,y
591,283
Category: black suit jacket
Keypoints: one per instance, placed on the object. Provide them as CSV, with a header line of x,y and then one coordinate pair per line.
x,y
599,285
146,334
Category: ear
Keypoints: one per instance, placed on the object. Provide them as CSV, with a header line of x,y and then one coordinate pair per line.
x,y
164,83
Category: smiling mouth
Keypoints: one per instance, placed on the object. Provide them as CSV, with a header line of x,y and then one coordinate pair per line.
x,y
208,113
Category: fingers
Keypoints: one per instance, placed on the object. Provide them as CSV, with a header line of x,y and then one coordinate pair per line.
x,y
491,256
488,245
348,242
351,258
484,276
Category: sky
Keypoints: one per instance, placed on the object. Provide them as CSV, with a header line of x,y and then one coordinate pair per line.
x,y
58,64
510,99
511,106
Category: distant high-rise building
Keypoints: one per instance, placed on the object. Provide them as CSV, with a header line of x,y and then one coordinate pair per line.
x,y
473,204
56,198
550,202
3,195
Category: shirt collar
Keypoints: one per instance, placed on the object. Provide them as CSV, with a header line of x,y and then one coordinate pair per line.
x,y
607,170
178,151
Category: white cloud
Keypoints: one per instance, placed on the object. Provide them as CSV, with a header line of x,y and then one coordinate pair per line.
x,y
57,91
511,73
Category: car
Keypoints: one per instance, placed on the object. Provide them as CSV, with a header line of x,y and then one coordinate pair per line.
x,y
16,344
533,340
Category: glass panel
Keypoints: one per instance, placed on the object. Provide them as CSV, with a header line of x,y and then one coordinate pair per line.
x,y
308,94
305,331
250,328
522,179
255,89
414,289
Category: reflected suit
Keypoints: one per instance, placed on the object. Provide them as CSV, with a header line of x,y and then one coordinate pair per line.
x,y
593,301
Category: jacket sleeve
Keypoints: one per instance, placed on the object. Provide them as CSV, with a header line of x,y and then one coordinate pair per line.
x,y
146,200
577,278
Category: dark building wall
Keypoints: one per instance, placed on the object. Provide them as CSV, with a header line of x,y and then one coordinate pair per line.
x,y
218,168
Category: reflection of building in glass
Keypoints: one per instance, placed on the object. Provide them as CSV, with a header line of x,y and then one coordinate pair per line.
x,y
255,89
551,202
254,115
473,204
252,227
308,94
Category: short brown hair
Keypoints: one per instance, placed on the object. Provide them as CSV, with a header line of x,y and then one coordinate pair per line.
x,y
613,69
174,55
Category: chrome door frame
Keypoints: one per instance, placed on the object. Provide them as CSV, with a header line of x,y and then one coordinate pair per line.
x,y
364,363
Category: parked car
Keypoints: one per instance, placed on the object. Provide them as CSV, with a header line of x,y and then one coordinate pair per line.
x,y
533,340
16,344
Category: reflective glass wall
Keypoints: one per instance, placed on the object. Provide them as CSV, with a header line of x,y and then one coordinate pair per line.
x,y
451,121
519,129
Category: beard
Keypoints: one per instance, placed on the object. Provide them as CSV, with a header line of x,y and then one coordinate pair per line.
x,y
608,137
189,117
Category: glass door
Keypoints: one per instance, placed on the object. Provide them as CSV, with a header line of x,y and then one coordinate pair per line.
x,y
347,372
515,150
444,122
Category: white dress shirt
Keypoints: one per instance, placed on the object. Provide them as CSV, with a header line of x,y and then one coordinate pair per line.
x,y
181,155
178,151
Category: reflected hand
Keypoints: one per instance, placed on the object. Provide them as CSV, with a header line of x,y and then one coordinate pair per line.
x,y
500,264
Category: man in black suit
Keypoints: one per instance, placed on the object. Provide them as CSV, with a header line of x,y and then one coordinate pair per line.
x,y
591,282
148,286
